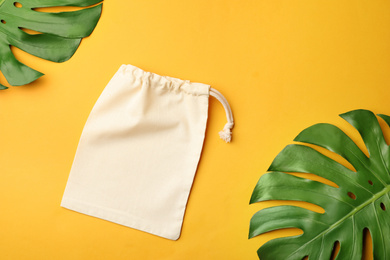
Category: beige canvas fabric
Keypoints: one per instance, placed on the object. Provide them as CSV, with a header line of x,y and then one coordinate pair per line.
x,y
139,151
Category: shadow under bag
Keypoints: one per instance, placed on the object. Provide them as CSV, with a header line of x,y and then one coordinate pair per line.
x,y
139,151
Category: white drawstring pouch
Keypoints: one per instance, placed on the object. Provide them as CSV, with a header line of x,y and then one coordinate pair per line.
x,y
139,151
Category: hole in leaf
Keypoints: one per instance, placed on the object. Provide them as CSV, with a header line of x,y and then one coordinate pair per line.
x,y
335,251
383,206
302,204
385,129
17,4
306,258
314,177
3,22
57,9
332,155
370,182
367,245
29,31
351,195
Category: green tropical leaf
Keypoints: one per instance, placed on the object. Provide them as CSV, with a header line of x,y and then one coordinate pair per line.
x,y
360,201
58,38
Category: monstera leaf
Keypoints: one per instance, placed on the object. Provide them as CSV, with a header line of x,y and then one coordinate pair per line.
x,y
58,34
361,200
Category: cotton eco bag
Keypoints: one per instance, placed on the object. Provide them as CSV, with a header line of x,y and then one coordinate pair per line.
x,y
139,151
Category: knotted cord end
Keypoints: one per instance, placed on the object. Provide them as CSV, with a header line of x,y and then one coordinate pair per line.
x,y
226,133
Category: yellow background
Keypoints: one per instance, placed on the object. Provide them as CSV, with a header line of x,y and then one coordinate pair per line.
x,y
283,66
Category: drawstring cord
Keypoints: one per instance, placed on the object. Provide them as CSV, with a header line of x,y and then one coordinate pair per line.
x,y
226,133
